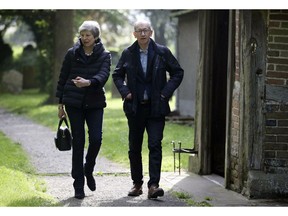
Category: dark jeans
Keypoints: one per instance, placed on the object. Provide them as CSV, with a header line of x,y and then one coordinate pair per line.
x,y
94,120
154,127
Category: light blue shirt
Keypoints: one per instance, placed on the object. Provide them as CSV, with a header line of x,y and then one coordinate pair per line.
x,y
144,60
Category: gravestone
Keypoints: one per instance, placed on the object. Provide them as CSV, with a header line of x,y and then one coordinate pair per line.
x,y
12,81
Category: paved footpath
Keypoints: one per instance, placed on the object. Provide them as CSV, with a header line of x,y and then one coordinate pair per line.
x,y
114,182
55,166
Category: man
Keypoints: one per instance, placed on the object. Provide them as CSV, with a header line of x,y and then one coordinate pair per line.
x,y
141,79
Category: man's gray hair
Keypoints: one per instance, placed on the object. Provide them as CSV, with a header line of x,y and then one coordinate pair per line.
x,y
142,21
91,26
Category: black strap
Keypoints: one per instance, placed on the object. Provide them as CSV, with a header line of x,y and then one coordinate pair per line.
x,y
61,121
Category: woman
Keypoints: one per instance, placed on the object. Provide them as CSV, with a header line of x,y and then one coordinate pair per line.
x,y
80,89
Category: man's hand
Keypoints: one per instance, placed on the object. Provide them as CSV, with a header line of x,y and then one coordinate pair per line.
x,y
128,97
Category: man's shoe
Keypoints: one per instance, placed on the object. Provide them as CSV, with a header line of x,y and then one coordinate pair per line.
x,y
136,190
154,191
79,193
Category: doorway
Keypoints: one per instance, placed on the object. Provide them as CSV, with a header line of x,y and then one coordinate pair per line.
x,y
219,90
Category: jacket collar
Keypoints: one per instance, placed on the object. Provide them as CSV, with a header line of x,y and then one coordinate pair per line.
x,y
97,49
135,47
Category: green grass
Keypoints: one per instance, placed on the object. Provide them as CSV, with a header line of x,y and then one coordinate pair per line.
x,y
188,199
115,130
19,186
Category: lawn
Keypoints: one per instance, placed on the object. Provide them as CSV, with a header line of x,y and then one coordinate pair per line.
x,y
19,186
31,103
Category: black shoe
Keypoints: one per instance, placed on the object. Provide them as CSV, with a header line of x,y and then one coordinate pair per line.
x,y
79,193
90,180
136,190
154,191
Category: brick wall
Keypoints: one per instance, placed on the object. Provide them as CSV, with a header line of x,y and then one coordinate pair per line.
x,y
235,115
276,128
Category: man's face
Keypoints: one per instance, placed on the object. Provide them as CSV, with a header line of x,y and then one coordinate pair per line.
x,y
143,33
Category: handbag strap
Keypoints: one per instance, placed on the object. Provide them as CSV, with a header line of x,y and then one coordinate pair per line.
x,y
61,121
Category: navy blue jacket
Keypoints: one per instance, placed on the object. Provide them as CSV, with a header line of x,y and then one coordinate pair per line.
x,y
96,68
160,61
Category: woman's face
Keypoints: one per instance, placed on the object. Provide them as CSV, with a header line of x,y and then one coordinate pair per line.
x,y
87,38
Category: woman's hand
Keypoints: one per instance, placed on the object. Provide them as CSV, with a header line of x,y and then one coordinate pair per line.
x,y
81,82
61,111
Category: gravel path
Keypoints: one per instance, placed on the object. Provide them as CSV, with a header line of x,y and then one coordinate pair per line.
x,y
55,166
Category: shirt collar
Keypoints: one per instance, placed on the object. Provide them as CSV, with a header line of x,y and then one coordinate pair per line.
x,y
144,51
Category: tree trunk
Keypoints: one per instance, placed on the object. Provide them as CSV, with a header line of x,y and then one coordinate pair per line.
x,y
63,40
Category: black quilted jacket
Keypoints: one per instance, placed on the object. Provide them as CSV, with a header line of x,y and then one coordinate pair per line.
x,y
95,67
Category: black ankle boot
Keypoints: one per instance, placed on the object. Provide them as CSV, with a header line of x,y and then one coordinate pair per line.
x,y
79,193
90,180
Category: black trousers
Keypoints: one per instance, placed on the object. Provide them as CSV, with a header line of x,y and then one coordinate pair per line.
x,y
94,119
154,127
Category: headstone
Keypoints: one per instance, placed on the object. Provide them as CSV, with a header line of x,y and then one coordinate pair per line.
x,y
29,67
12,81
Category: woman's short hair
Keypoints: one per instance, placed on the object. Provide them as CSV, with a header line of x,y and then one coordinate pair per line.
x,y
91,26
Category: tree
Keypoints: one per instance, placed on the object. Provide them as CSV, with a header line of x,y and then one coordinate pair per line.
x,y
41,24
163,25
6,51
55,30
114,24
63,39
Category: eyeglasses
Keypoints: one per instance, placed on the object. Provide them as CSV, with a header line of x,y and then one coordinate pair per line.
x,y
145,31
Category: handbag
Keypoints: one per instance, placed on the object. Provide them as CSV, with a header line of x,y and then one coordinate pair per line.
x,y
63,138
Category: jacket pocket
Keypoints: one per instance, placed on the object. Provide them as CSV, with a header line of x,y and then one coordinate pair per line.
x,y
164,107
128,106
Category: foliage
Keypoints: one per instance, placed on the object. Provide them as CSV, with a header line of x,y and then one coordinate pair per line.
x,y
112,24
115,25
164,26
41,24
